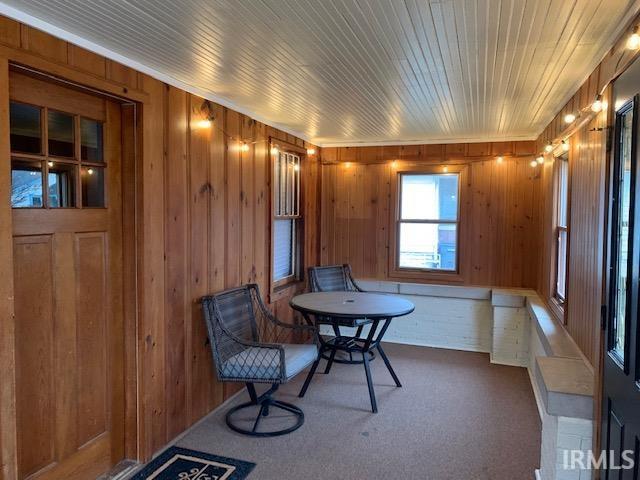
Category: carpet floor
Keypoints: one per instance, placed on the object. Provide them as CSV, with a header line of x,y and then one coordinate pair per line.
x,y
455,417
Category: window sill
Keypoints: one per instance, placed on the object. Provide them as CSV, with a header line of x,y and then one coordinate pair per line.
x,y
285,291
425,276
557,310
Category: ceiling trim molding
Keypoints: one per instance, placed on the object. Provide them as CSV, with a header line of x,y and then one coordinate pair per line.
x,y
63,34
441,141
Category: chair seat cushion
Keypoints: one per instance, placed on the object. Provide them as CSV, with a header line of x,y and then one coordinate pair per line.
x,y
262,363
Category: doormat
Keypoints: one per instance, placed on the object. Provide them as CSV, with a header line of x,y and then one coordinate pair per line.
x,y
183,464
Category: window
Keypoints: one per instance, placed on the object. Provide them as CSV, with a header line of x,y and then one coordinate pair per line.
x,y
562,208
66,170
427,221
623,207
286,227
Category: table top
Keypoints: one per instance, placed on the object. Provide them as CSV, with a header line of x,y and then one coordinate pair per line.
x,y
352,304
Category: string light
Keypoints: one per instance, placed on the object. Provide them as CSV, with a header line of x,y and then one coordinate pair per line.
x,y
596,106
90,171
548,147
347,165
202,124
274,150
296,167
499,159
540,159
394,163
244,147
533,164
445,169
565,146
569,118
633,42
311,151
50,164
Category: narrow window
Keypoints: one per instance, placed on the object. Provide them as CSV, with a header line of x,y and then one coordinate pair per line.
x,y
428,223
287,218
562,208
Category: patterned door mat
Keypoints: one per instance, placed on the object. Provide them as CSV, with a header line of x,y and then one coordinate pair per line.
x,y
183,464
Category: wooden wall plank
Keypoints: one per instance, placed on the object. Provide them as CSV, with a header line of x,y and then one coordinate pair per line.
x,y
177,254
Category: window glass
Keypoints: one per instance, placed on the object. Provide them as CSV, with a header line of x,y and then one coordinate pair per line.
x,y
284,248
92,186
622,235
62,185
60,131
428,223
91,149
26,184
25,128
429,197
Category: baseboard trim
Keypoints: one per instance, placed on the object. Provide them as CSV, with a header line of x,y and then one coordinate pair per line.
x,y
536,472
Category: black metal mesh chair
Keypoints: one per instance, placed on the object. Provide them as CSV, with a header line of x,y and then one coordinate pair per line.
x,y
337,278
249,344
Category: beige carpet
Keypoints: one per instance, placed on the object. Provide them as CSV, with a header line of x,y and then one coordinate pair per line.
x,y
455,417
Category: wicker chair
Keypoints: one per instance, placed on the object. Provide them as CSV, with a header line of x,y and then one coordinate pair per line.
x,y
337,278
250,345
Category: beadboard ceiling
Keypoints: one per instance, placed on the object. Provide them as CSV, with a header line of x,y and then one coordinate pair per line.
x,y
346,72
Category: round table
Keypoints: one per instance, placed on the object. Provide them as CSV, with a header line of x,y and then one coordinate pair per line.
x,y
380,309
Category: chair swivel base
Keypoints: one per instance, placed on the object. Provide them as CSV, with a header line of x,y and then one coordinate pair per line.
x,y
266,404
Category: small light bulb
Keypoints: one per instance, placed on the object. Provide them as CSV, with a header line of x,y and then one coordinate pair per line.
x,y
50,164
499,159
90,171
565,146
245,147
311,151
202,124
347,164
533,164
548,147
394,163
274,150
596,106
569,118
296,167
633,42
540,159
445,169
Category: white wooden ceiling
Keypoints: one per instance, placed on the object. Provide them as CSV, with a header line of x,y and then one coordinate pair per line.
x,y
357,71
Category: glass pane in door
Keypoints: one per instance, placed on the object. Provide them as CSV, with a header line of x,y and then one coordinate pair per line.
x,y
622,237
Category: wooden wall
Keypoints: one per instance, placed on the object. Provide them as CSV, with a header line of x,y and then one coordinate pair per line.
x,y
203,224
217,236
588,165
499,210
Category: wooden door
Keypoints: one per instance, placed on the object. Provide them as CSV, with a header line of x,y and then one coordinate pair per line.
x,y
68,263
621,392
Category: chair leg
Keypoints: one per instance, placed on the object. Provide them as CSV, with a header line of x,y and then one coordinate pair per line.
x,y
310,376
388,364
372,393
330,362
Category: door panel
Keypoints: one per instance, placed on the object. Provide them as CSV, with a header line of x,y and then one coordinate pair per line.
x,y
621,392
33,290
68,274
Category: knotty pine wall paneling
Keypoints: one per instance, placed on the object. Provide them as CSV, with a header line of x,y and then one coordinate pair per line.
x,y
499,210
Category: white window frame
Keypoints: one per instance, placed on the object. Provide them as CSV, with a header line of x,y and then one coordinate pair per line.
x,y
286,205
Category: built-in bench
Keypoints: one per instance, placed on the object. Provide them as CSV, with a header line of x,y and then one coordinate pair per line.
x,y
515,328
